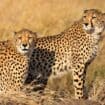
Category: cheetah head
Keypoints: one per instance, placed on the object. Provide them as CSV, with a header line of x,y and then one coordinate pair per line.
x,y
24,41
93,21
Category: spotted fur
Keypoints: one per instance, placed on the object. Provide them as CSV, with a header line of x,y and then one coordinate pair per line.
x,y
14,60
68,51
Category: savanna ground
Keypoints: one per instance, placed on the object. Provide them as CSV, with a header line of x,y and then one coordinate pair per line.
x,y
49,17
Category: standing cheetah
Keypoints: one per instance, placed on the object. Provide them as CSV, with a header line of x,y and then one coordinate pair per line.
x,y
14,60
71,50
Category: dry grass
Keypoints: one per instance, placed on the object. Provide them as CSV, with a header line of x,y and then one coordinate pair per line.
x,y
49,17
46,17
18,99
48,98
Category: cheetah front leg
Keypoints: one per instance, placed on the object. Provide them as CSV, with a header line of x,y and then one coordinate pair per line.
x,y
78,80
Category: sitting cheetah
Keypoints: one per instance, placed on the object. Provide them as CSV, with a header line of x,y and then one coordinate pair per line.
x,y
14,60
72,50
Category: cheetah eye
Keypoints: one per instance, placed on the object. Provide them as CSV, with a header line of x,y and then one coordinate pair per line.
x,y
19,37
84,16
93,17
102,21
30,37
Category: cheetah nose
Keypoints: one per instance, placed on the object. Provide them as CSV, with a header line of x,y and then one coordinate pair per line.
x,y
86,24
24,45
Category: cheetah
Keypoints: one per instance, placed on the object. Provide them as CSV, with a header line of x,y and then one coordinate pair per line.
x,y
14,60
71,50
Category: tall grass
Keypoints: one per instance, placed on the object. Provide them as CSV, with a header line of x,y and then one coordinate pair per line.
x,y
44,16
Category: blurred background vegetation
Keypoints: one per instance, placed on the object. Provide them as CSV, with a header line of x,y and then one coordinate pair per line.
x,y
44,16
48,17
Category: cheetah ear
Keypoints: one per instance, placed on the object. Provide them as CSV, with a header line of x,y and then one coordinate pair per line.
x,y
35,35
103,17
85,11
14,33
